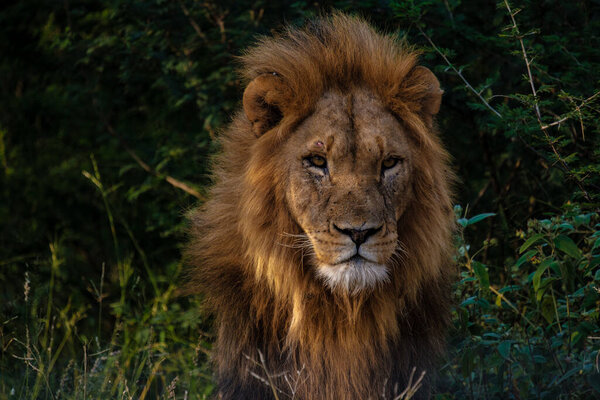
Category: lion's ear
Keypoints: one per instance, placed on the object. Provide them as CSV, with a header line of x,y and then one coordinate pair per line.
x,y
432,98
265,101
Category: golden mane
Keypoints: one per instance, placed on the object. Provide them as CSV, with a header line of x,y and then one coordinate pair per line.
x,y
258,285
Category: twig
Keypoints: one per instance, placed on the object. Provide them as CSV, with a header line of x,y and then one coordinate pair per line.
x,y
172,181
85,362
577,109
192,21
264,366
153,373
492,109
511,305
527,62
411,388
218,18
482,192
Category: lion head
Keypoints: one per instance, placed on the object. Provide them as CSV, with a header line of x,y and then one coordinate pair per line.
x,y
331,210
350,144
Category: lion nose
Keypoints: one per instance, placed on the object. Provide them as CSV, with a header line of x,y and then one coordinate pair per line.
x,y
358,236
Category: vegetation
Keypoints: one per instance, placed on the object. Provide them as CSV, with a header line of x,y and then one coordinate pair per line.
x,y
108,115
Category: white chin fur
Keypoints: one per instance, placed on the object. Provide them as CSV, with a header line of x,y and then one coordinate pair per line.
x,y
353,275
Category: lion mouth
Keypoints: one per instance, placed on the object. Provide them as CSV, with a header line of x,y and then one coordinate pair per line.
x,y
353,275
355,261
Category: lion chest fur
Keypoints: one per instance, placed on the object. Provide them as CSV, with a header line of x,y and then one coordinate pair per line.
x,y
324,247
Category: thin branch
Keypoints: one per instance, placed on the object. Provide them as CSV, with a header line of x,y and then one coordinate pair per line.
x,y
268,381
492,109
411,388
264,367
577,109
218,18
192,21
511,305
527,61
172,181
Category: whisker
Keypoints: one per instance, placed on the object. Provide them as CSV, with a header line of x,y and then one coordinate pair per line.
x,y
298,240
287,234
293,245
400,253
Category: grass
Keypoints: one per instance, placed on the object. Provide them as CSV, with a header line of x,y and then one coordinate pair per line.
x,y
135,339
157,350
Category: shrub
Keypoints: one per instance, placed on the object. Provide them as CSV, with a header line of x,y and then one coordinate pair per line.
x,y
528,328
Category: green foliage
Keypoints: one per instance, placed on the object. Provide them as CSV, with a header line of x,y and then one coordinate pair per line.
x,y
109,108
529,328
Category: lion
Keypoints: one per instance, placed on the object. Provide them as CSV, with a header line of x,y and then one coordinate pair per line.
x,y
324,249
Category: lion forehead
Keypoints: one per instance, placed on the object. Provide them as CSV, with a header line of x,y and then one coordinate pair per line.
x,y
353,126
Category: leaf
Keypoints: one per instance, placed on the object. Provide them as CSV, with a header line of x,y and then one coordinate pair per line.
x,y
504,349
525,257
539,359
530,241
498,301
568,374
567,246
126,168
583,219
482,274
462,222
548,311
510,288
480,217
492,335
539,272
565,226
468,301
543,286
483,303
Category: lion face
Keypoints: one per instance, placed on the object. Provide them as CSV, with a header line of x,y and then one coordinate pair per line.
x,y
336,158
348,185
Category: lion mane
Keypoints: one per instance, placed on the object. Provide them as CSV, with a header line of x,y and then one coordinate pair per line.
x,y
279,329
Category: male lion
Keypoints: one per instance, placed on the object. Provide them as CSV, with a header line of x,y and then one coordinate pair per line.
x,y
324,248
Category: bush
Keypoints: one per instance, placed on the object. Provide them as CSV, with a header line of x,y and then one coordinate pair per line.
x,y
529,328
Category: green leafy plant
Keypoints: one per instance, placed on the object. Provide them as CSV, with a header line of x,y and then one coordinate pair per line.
x,y
528,328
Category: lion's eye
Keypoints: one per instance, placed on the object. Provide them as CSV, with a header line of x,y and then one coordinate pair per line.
x,y
390,162
317,161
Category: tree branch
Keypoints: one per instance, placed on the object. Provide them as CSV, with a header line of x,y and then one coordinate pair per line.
x,y
192,21
492,109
